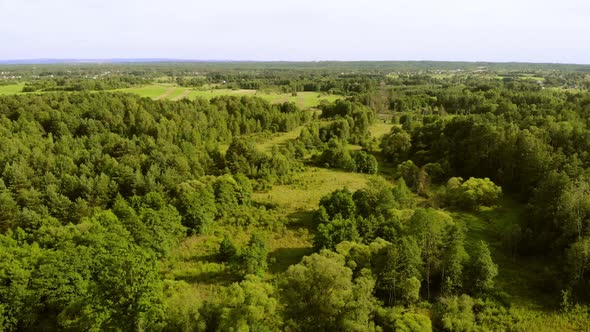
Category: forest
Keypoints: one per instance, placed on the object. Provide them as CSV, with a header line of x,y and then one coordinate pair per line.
x,y
421,196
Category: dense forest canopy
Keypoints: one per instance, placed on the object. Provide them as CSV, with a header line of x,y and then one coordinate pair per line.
x,y
425,196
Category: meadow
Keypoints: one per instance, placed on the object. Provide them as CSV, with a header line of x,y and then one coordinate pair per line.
x,y
173,92
11,89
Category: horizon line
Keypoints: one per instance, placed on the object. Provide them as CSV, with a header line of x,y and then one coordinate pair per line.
x,y
185,60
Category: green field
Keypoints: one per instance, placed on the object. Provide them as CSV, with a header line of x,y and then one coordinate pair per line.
x,y
157,91
11,89
174,92
302,99
150,91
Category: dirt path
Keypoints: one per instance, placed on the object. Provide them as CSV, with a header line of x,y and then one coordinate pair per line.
x,y
166,94
182,95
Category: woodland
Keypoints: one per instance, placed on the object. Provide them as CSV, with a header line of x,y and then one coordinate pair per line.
x,y
413,196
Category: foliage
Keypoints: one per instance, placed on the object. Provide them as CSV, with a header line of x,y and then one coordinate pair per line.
x,y
323,296
249,305
473,193
482,270
98,192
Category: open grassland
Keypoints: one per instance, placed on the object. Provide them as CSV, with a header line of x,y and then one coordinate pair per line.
x,y
194,261
11,89
279,139
302,99
208,94
150,91
173,92
308,187
380,128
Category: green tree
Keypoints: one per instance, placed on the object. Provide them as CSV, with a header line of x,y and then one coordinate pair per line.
x,y
454,261
578,264
334,231
321,294
339,202
482,269
375,199
457,313
249,306
196,205
400,319
573,210
396,144
473,193
397,264
365,163
409,172
227,249
253,258
430,227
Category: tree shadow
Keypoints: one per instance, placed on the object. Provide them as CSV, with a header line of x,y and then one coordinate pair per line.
x,y
222,278
282,258
301,219
211,258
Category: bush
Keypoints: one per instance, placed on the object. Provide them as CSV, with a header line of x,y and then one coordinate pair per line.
x,y
365,163
473,193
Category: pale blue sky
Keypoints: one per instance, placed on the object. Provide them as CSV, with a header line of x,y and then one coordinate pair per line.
x,y
494,30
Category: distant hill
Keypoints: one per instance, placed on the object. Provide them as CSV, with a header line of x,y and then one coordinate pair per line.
x,y
344,66
73,61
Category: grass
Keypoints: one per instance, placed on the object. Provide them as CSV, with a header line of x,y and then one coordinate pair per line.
x,y
150,91
308,187
11,89
279,139
520,277
168,91
193,260
531,77
302,99
208,94
379,129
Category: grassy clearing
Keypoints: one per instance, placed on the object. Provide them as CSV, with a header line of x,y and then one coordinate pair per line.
x,y
308,187
166,94
380,128
523,279
194,260
172,92
11,89
302,99
208,94
279,139
520,277
150,91
183,94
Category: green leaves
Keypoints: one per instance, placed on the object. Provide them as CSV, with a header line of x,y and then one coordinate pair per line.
x,y
96,278
322,295
472,193
396,144
481,269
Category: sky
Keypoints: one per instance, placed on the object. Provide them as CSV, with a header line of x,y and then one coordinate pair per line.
x,y
298,30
